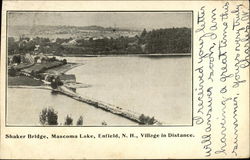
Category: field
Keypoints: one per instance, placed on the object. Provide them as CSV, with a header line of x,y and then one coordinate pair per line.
x,y
22,66
43,66
23,80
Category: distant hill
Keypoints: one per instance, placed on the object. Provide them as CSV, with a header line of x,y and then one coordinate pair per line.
x,y
47,29
93,27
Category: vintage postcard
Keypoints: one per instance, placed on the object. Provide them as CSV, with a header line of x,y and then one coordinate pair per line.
x,y
124,80
110,69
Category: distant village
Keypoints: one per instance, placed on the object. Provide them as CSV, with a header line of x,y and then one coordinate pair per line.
x,y
96,40
64,32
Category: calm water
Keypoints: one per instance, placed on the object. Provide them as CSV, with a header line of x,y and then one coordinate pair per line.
x,y
159,87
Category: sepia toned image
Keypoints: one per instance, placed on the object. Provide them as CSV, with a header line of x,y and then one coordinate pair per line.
x,y
124,79
99,68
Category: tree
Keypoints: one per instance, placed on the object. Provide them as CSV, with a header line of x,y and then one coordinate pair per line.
x,y
53,59
16,59
58,81
43,69
64,61
80,121
104,123
12,72
142,118
12,46
142,39
36,58
151,120
43,60
144,33
33,73
68,121
48,116
55,82
146,119
170,40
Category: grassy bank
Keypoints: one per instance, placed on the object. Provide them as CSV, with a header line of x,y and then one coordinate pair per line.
x,y
39,67
56,68
24,81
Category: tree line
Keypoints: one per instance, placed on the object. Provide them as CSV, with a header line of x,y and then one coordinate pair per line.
x,y
48,116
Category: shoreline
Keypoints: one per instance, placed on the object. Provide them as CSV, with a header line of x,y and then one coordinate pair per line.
x,y
63,69
73,65
31,87
130,55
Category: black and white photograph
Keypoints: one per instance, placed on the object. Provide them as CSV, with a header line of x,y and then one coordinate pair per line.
x,y
99,68
108,79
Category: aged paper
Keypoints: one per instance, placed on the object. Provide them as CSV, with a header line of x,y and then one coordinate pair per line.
x,y
124,79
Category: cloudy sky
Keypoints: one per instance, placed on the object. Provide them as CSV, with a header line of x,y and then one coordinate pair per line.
x,y
133,20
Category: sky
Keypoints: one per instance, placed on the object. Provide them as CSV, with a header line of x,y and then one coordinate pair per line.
x,y
132,20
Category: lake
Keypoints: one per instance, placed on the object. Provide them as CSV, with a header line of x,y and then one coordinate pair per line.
x,y
159,87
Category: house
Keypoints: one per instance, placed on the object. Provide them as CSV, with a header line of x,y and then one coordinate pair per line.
x,y
28,58
70,43
36,47
38,61
41,58
68,78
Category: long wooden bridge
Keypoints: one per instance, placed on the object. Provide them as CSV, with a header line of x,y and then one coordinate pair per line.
x,y
131,115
